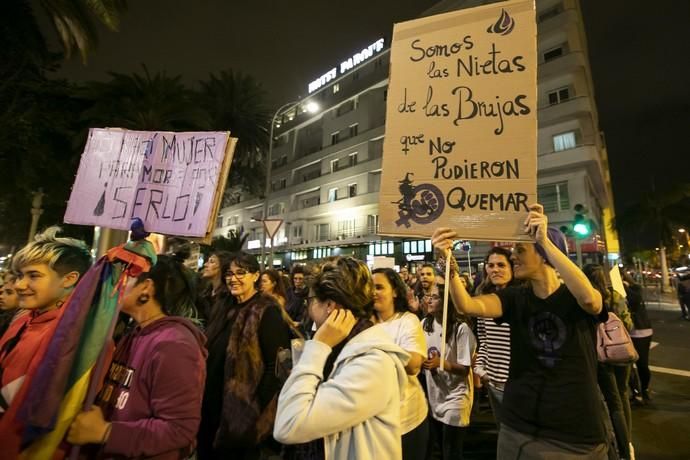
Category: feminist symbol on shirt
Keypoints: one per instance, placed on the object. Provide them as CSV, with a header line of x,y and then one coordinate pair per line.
x,y
548,334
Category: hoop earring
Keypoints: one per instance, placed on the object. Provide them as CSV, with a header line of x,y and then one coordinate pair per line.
x,y
142,299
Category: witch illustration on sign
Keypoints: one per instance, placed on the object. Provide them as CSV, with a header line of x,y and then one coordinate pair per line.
x,y
421,203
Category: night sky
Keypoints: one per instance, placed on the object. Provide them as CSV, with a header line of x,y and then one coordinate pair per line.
x,y
639,51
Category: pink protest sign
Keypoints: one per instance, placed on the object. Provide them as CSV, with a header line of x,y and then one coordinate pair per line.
x,y
169,180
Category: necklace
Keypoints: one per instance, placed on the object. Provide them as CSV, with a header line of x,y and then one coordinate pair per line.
x,y
150,320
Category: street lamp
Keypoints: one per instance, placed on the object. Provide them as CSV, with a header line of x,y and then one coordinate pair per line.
x,y
311,107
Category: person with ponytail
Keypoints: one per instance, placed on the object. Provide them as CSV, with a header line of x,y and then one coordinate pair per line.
x,y
150,403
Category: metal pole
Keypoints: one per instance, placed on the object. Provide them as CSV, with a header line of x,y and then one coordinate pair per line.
x,y
267,190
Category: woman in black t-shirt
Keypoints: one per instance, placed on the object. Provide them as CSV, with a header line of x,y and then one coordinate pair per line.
x,y
550,405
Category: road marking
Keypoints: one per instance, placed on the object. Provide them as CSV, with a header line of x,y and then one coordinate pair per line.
x,y
666,370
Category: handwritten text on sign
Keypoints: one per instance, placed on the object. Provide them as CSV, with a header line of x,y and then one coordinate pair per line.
x,y
461,130
166,179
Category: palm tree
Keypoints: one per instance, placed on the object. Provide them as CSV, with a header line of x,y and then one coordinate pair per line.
x,y
145,102
659,212
236,102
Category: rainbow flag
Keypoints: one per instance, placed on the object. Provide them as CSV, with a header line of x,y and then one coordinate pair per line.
x,y
70,370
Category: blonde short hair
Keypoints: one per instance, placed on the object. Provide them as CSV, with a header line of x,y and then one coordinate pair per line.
x,y
61,254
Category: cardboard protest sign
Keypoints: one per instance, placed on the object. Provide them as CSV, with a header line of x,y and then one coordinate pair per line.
x,y
172,181
461,130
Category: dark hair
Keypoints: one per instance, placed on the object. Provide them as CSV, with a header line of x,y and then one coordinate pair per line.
x,y
400,303
298,269
452,322
224,260
431,266
486,286
596,275
346,281
277,279
246,261
175,286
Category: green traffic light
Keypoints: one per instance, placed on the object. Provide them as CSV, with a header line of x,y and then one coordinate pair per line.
x,y
581,229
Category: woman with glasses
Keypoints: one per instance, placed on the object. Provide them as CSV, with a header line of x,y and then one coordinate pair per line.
x,y
242,386
450,390
343,396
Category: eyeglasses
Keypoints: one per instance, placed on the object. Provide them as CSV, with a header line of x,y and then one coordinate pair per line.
x,y
239,274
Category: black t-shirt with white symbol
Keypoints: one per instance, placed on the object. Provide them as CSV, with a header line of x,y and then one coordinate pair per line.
x,y
552,388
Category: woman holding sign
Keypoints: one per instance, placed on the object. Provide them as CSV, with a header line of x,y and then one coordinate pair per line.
x,y
551,406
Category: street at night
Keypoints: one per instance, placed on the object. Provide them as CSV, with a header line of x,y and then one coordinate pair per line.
x,y
344,230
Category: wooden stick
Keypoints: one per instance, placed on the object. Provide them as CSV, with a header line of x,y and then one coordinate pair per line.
x,y
446,291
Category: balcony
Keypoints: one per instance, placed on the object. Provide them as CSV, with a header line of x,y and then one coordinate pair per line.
x,y
561,65
583,156
566,110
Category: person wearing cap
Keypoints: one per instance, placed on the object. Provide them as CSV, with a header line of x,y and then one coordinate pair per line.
x,y
551,406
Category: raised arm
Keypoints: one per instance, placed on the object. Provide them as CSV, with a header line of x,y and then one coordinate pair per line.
x,y
589,299
488,306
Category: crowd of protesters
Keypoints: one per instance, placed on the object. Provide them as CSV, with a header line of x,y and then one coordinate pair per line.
x,y
337,361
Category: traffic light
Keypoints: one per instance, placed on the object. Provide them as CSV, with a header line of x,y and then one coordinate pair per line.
x,y
582,226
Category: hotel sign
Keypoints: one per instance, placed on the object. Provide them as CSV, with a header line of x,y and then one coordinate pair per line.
x,y
347,65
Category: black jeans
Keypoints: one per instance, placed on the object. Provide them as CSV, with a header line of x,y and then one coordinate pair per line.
x,y
449,438
642,345
415,442
613,382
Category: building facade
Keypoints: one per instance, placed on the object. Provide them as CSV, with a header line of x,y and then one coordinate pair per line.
x,y
326,167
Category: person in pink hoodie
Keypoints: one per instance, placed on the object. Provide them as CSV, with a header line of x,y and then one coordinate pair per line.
x,y
150,403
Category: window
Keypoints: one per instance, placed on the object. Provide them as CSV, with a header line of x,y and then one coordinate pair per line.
x,y
564,141
346,228
353,159
310,202
335,137
382,248
336,88
352,190
289,115
345,107
323,232
320,253
234,220
550,13
276,209
334,166
219,222
558,96
353,129
372,223
297,231
279,184
554,197
553,53
332,195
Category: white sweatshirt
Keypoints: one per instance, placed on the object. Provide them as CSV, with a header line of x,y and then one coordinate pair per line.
x,y
357,410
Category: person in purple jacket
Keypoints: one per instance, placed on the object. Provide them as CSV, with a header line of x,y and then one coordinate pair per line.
x,y
150,403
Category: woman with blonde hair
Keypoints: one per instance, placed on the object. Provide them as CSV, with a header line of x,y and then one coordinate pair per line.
x,y
343,395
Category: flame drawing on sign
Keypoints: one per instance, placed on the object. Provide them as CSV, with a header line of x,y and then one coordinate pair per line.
x,y
503,26
421,203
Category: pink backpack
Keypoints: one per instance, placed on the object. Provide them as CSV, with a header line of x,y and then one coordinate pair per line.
x,y
613,342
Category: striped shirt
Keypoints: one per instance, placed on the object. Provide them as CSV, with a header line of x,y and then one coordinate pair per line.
x,y
493,357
